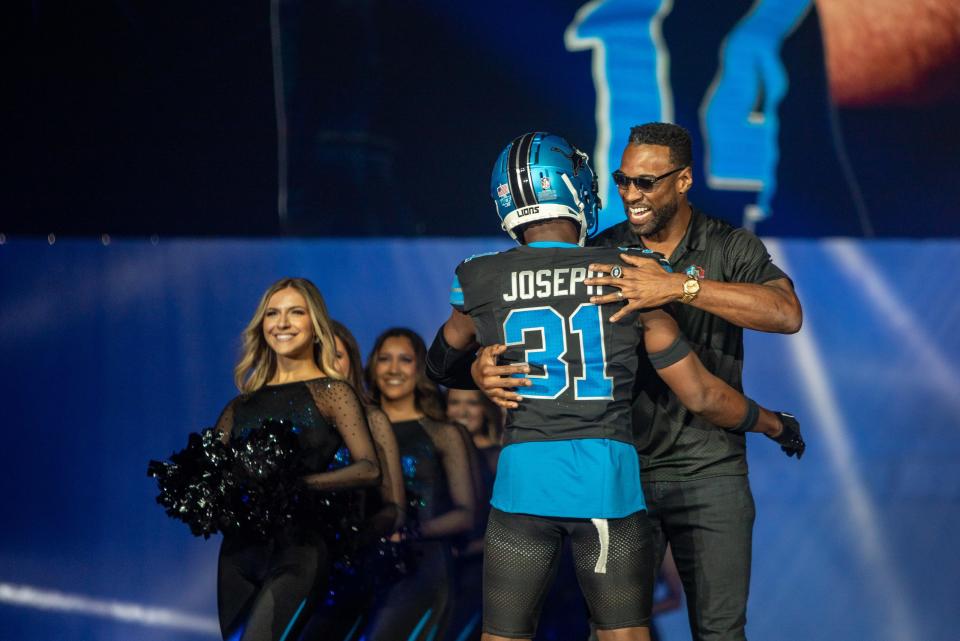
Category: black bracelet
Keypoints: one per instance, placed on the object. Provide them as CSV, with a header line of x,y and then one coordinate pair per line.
x,y
448,365
750,420
678,349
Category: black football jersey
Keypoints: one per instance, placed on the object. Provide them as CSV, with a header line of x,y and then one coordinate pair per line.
x,y
582,366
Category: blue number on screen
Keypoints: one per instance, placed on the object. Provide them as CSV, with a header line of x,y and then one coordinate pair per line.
x,y
631,75
740,121
551,372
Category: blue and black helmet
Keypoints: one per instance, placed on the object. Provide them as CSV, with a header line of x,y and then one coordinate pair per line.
x,y
540,176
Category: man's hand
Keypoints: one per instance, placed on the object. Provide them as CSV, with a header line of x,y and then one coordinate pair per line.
x,y
645,285
495,381
789,437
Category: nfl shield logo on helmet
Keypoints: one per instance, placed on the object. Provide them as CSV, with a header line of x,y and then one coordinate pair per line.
x,y
502,190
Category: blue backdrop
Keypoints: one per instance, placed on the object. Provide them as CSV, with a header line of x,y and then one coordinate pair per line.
x,y
112,354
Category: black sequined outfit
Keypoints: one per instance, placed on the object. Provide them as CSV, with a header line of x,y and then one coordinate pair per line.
x,y
417,606
348,599
268,588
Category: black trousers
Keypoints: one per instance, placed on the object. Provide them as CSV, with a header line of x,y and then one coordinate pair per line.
x,y
417,607
268,589
709,526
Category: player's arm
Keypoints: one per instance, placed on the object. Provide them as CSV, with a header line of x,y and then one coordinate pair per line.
x,y
452,352
450,359
707,395
459,331
465,369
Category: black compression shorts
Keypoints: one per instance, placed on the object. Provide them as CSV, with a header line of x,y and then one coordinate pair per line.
x,y
614,561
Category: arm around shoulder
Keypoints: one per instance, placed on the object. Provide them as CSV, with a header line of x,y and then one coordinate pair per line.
x,y
772,306
753,291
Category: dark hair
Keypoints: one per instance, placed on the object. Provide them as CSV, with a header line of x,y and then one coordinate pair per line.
x,y
492,416
353,355
667,134
426,395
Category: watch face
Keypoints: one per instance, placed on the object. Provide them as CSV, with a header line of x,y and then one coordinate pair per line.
x,y
691,286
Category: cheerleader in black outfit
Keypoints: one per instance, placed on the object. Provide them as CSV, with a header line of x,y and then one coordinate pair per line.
x,y
483,421
437,472
386,508
349,597
287,371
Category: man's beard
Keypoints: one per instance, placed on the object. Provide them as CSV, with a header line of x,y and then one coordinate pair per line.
x,y
661,217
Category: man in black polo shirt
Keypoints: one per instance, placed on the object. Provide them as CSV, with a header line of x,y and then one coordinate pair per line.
x,y
694,473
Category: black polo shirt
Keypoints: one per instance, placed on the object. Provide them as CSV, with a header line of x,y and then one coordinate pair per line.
x,y
675,445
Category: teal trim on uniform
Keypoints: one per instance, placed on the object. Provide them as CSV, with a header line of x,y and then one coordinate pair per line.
x,y
552,243
469,628
433,633
594,478
480,255
423,621
456,293
293,620
353,630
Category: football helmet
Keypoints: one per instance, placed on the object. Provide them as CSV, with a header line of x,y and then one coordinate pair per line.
x,y
540,176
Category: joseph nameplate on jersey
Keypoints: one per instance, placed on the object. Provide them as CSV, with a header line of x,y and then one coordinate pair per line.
x,y
551,283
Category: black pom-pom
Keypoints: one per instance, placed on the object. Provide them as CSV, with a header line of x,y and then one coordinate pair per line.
x,y
254,486
195,483
268,495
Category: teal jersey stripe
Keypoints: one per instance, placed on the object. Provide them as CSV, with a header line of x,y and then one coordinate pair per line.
x,y
469,628
553,244
293,620
456,293
353,630
423,621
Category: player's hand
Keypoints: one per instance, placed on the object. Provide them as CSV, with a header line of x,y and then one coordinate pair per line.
x,y
644,285
790,440
496,381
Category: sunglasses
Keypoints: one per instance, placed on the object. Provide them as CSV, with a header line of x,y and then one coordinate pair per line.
x,y
642,183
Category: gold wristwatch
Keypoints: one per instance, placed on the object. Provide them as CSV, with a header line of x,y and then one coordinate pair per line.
x,y
691,287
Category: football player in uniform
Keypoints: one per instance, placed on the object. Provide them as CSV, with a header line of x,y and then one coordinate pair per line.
x,y
569,467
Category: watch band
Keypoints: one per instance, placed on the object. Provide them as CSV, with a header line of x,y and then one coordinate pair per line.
x,y
688,296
